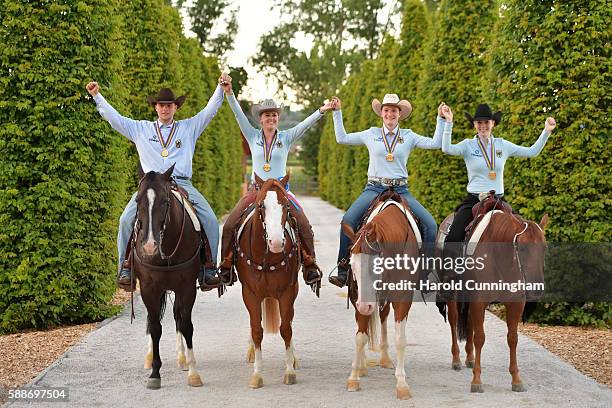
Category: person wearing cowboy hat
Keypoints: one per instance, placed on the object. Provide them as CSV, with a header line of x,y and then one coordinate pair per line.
x,y
161,144
269,150
388,148
485,157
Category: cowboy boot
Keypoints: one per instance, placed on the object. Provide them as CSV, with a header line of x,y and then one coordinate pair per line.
x,y
343,269
312,273
124,278
207,277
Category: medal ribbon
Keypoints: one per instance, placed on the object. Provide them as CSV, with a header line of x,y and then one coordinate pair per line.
x,y
166,143
391,148
490,161
268,149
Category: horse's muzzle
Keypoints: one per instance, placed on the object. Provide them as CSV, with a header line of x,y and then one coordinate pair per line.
x,y
366,308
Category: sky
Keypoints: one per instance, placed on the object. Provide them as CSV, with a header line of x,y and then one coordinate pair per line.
x,y
254,19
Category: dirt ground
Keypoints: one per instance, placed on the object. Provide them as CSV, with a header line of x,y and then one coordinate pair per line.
x,y
24,355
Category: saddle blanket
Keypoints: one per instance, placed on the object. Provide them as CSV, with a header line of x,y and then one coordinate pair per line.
x,y
190,210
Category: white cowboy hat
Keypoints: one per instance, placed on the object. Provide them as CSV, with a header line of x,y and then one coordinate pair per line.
x,y
393,100
267,105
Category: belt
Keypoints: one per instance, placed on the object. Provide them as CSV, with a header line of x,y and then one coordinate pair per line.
x,y
388,182
182,178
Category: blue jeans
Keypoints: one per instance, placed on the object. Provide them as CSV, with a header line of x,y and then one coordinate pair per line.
x,y
205,213
355,213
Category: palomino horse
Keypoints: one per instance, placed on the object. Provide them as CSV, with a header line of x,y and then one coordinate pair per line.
x,y
512,250
267,264
166,258
386,235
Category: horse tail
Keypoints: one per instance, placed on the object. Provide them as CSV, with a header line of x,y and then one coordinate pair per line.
x,y
162,309
270,315
374,330
462,320
530,307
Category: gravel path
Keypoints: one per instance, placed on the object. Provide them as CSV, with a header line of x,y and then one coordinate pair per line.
x,y
105,368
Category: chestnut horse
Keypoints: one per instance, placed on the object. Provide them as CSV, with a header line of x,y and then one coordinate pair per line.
x,y
166,258
513,249
387,234
267,264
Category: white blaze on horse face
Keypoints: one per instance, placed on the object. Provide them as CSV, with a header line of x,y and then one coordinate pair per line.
x,y
273,216
150,246
357,262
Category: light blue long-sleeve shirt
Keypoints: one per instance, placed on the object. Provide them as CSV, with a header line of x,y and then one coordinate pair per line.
x,y
144,135
478,172
255,139
372,139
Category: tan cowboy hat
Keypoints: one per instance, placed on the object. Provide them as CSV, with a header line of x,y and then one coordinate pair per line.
x,y
393,100
165,95
267,105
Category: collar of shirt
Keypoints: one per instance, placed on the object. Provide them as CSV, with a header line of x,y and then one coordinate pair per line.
x,y
161,125
387,130
490,138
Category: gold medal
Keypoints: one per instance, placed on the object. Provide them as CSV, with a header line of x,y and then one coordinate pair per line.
x,y
492,175
390,157
266,167
164,153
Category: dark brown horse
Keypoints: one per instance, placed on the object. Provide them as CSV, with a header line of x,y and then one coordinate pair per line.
x,y
267,264
166,258
386,235
512,250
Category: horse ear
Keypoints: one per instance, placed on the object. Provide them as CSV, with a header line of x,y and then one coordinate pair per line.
x,y
348,231
544,221
258,179
168,172
140,171
285,179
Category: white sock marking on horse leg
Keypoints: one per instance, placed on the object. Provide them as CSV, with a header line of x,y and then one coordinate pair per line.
x,y
361,339
384,343
257,366
400,346
289,359
180,350
191,362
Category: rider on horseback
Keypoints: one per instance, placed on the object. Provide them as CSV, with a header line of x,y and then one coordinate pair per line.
x,y
161,144
485,157
389,148
270,148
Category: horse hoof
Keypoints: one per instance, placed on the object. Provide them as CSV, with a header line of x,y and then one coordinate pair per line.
x,y
403,393
181,363
518,387
469,363
194,380
352,385
371,363
148,363
476,388
154,383
290,379
385,362
456,366
256,382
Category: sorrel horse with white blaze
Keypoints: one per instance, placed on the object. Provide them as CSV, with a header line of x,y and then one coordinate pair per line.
x,y
166,257
512,250
267,262
387,234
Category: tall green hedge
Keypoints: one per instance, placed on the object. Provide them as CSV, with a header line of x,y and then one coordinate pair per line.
x,y
64,177
61,169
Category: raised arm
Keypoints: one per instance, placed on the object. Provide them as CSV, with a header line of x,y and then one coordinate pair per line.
x,y
536,148
126,126
245,126
447,146
297,132
203,118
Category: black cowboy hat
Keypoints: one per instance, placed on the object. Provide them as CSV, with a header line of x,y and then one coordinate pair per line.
x,y
165,95
484,112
